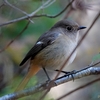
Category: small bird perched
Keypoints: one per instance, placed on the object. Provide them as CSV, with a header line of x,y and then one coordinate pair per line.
x,y
52,49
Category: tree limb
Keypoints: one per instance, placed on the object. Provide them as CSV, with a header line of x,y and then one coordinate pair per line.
x,y
15,38
28,16
79,88
44,86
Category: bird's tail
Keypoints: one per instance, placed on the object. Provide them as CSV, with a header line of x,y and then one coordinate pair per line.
x,y
32,71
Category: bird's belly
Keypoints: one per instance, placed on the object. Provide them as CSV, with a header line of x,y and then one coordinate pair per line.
x,y
54,55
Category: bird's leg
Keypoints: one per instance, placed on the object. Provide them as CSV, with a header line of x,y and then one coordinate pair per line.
x,y
46,74
68,73
72,72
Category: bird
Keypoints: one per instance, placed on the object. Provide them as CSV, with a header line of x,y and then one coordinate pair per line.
x,y
52,49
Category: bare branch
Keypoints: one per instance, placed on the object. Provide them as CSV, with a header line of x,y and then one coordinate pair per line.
x,y
29,15
47,86
1,5
15,38
12,6
80,41
33,14
54,16
49,4
79,88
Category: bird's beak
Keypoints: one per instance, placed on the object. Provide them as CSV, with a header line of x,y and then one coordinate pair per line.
x,y
81,27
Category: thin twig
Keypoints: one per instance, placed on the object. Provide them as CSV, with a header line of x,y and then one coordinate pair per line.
x,y
1,5
79,88
83,37
80,41
29,15
49,4
15,38
87,67
12,6
45,86
33,15
54,16
60,12
42,97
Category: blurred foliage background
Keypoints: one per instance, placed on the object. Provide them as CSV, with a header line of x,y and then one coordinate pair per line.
x,y
82,11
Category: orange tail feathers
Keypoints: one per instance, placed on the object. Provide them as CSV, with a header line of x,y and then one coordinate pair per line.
x,y
32,71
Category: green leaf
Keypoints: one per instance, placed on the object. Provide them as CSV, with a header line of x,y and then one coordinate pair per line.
x,y
96,57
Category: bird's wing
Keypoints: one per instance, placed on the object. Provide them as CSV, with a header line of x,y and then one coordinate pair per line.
x,y
44,41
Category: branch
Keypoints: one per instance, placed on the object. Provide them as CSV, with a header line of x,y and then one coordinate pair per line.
x,y
15,38
79,88
78,44
40,15
1,5
29,15
12,6
45,86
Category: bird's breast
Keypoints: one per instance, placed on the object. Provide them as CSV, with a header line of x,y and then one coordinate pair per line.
x,y
54,55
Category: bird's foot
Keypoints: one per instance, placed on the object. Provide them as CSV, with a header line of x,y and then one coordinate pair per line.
x,y
68,73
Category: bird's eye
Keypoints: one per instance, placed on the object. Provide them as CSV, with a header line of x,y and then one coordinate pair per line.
x,y
69,28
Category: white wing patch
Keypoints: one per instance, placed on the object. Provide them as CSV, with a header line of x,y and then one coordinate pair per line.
x,y
40,42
